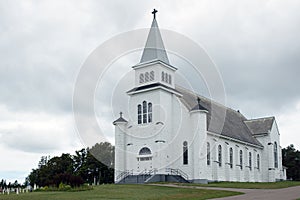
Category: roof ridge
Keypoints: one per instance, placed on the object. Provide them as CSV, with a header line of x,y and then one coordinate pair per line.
x,y
211,100
260,118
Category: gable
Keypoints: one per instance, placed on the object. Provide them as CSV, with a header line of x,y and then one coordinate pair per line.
x,y
261,125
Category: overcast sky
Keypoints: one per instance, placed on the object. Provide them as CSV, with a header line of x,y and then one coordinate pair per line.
x,y
43,44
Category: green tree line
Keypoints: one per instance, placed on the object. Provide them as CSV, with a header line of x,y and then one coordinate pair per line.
x,y
291,160
89,165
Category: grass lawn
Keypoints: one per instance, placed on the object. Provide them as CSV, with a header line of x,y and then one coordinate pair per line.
x,y
275,185
123,192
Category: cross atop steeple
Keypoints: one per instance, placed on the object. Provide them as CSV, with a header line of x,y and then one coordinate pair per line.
x,y
154,13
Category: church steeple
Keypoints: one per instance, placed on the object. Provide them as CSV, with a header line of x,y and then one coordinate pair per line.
x,y
154,48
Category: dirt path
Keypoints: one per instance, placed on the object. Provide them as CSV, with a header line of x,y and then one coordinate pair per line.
x,y
290,193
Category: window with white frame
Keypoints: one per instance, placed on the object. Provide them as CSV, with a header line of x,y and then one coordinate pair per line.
x,y
241,159
220,155
275,155
231,157
258,161
142,78
208,154
147,77
185,153
144,113
152,76
149,112
250,160
165,77
139,113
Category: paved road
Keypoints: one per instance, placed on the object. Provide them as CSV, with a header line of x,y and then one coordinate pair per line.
x,y
290,193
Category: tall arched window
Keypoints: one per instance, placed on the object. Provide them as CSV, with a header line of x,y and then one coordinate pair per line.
x,y
220,155
151,75
139,112
146,76
231,157
258,161
144,112
185,153
208,154
141,78
149,112
170,79
163,76
241,159
275,155
250,161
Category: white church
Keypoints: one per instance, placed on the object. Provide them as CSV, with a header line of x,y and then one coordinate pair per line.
x,y
174,137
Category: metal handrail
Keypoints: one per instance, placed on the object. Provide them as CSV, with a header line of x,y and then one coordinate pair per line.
x,y
123,175
177,172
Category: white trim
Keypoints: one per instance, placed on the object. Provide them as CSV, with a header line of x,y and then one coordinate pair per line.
x,y
195,111
151,62
154,88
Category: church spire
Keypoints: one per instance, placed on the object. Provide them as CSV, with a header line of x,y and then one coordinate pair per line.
x,y
154,48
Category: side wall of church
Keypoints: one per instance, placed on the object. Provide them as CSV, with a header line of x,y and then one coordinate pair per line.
x,y
230,169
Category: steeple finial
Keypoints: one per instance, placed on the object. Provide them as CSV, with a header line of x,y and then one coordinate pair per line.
x,y
121,114
154,13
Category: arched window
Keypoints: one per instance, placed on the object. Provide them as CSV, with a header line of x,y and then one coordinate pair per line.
x,y
141,78
258,161
185,153
208,154
139,107
170,79
241,159
166,77
220,155
149,112
231,157
250,161
275,155
152,76
144,112
145,151
162,76
146,76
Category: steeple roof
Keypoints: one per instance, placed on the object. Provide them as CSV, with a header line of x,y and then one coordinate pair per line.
x,y
154,48
120,119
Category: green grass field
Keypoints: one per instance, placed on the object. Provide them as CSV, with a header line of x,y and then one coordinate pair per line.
x,y
275,185
123,192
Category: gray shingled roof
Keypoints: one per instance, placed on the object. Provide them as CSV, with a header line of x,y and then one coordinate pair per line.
x,y
120,119
220,119
260,126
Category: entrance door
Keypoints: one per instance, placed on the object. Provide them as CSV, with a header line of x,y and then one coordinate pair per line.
x,y
144,160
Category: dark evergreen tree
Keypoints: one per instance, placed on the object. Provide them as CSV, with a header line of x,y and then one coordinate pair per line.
x,y
291,160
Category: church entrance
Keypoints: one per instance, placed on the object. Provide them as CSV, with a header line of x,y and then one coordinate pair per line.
x,y
144,160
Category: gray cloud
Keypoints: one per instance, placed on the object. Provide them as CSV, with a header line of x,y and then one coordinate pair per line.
x,y
44,43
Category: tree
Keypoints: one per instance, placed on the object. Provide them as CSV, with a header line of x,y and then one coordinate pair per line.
x,y
291,160
86,165
104,152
